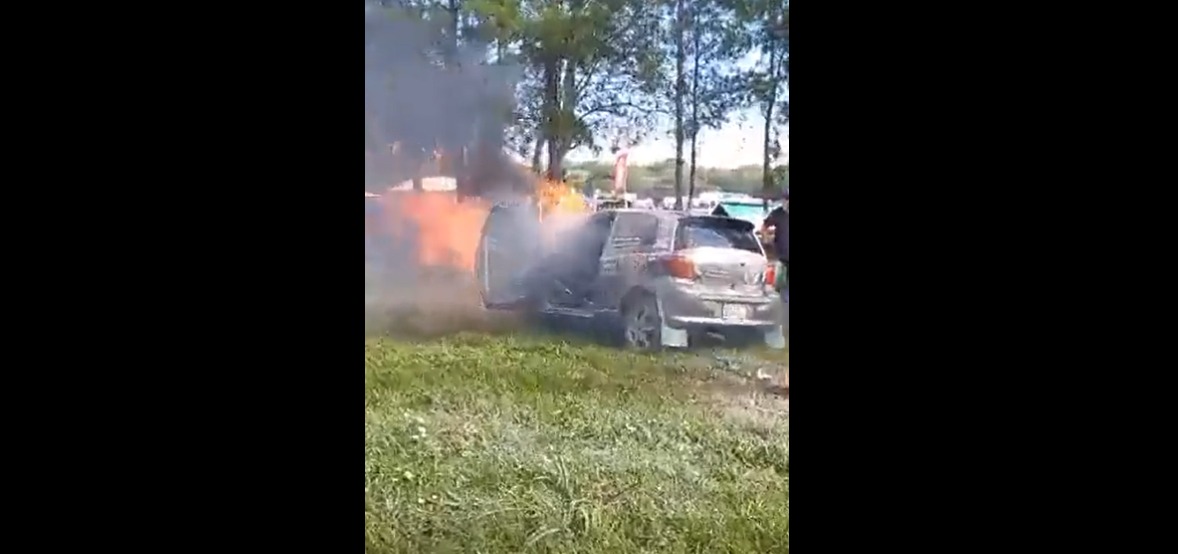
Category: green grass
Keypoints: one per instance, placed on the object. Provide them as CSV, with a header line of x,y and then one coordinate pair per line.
x,y
514,444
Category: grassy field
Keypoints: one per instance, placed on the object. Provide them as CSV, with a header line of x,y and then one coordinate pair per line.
x,y
515,443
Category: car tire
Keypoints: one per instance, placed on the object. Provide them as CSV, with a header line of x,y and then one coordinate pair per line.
x,y
642,323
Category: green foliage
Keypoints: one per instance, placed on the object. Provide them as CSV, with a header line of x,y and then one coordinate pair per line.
x,y
587,64
766,23
601,73
659,178
781,177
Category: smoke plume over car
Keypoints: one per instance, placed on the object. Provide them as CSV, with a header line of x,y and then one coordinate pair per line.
x,y
423,93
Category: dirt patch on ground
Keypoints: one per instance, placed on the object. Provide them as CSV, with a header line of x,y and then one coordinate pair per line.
x,y
762,402
746,388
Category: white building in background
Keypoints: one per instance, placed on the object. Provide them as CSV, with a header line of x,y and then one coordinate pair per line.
x,y
703,202
445,184
432,184
644,203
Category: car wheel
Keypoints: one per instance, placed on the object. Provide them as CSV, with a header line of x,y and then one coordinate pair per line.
x,y
642,324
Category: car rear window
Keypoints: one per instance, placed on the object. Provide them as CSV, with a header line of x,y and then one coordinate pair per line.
x,y
716,232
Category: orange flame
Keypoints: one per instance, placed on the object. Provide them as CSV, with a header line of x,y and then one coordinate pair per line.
x,y
560,207
558,197
445,232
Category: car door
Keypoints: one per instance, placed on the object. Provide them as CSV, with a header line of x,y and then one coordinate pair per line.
x,y
627,250
507,248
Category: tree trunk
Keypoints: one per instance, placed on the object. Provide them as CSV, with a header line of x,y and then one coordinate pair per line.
x,y
554,158
551,115
453,162
766,169
680,84
766,162
694,110
568,107
452,46
539,148
418,169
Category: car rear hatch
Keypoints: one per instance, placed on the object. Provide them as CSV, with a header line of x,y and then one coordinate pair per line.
x,y
722,257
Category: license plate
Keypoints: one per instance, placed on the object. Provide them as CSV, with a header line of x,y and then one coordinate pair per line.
x,y
734,311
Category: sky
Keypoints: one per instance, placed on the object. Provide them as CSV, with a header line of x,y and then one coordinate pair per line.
x,y
733,145
737,143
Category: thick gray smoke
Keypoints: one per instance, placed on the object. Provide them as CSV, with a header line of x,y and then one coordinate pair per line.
x,y
423,90
423,93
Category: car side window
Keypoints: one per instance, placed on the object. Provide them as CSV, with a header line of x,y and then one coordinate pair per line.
x,y
634,232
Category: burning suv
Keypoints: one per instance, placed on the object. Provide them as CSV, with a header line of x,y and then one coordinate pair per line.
x,y
659,278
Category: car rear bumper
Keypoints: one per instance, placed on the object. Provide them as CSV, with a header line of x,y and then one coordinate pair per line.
x,y
690,309
689,322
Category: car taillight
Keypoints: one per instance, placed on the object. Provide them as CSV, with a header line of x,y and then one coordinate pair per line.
x,y
771,274
681,267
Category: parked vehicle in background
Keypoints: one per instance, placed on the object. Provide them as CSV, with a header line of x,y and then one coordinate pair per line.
x,y
747,209
611,203
614,200
656,278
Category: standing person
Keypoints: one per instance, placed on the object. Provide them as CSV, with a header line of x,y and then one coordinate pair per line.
x,y
778,221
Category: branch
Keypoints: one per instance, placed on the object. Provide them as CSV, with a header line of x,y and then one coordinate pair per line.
x,y
580,87
617,106
609,43
614,37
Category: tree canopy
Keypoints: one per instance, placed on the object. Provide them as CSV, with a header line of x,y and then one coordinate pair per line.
x,y
545,77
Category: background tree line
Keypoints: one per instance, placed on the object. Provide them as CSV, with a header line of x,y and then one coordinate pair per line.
x,y
658,179
603,74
